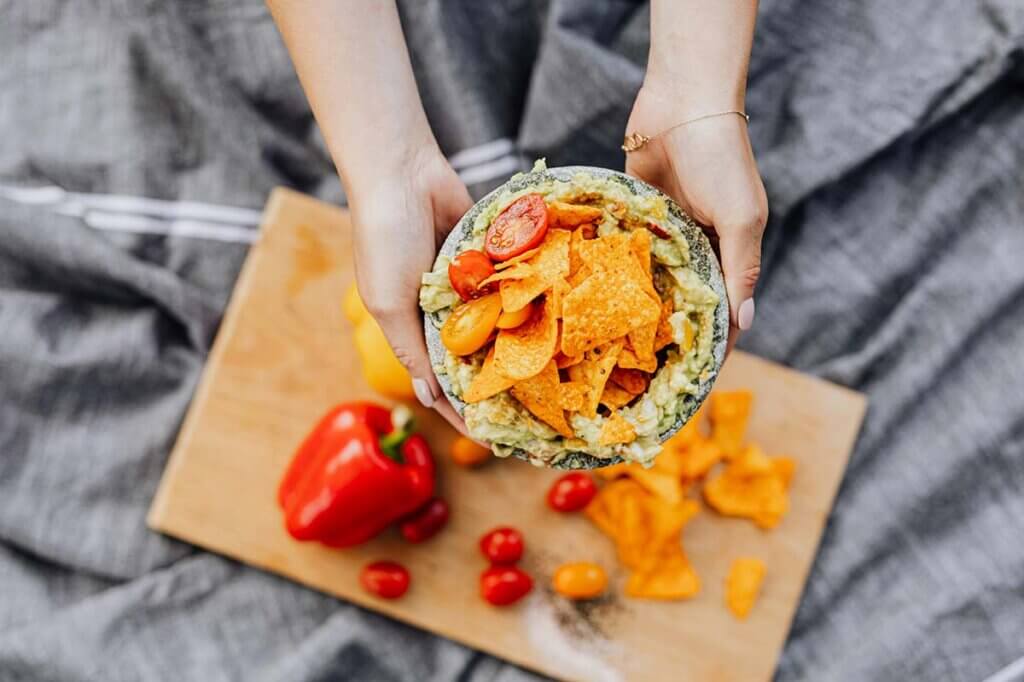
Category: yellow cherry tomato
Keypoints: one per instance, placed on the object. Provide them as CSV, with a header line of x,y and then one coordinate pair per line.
x,y
581,580
468,453
353,306
510,320
470,325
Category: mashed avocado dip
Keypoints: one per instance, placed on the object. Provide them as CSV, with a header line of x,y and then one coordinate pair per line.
x,y
683,365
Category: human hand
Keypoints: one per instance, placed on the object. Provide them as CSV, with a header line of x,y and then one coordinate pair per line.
x,y
400,217
708,167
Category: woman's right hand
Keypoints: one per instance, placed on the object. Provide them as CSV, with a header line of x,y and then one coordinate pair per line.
x,y
401,217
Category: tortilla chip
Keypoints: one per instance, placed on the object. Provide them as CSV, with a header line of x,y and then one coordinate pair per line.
x,y
520,271
617,430
700,457
573,395
577,278
668,575
614,397
784,468
487,383
540,395
688,334
632,380
662,484
603,308
642,341
594,372
640,245
629,360
563,215
557,293
524,256
743,585
762,498
610,473
605,510
663,334
564,361
550,264
752,461
575,260
729,413
522,352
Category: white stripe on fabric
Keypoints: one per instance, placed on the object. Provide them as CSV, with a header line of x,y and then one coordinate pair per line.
x,y
136,224
77,204
492,169
1011,673
480,153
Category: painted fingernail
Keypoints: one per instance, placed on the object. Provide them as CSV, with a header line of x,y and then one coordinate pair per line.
x,y
423,392
745,315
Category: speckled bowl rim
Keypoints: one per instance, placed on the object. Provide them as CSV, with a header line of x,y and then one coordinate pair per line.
x,y
702,259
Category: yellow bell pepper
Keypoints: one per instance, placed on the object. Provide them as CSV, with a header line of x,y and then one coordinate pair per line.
x,y
383,372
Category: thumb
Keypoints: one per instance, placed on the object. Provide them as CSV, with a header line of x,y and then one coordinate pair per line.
x,y
740,250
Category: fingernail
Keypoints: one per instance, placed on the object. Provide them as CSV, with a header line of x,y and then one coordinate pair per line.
x,y
745,315
423,392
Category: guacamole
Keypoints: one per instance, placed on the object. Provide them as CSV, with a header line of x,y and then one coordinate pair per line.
x,y
683,366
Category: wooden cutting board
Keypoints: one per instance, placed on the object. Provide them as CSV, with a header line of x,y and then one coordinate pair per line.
x,y
284,355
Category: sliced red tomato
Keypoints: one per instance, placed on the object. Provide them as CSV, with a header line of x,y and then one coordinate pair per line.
x,y
520,227
469,326
467,270
386,579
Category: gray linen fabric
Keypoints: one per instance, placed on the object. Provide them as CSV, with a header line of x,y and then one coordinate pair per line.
x,y
891,138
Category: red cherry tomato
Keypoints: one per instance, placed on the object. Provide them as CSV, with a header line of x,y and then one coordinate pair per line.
x,y
386,579
571,492
502,545
520,227
467,270
503,585
425,522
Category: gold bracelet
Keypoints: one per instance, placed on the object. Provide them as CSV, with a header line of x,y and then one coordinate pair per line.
x,y
636,141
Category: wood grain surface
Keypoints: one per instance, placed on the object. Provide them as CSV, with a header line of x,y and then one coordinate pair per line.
x,y
284,355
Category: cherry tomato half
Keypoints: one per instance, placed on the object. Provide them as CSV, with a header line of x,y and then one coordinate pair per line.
x,y
571,492
511,320
386,579
502,545
503,585
520,227
467,270
425,522
470,325
582,580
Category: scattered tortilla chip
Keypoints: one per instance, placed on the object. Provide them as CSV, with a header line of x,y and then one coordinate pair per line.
x,y
563,215
550,264
522,352
743,585
668,575
557,293
784,467
575,260
617,430
700,457
632,380
573,395
594,372
729,413
665,485
752,461
520,271
663,335
615,396
540,395
578,277
488,382
760,497
524,256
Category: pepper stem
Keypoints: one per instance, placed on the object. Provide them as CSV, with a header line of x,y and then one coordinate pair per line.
x,y
401,429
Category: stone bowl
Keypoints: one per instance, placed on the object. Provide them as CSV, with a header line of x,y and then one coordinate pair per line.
x,y
702,259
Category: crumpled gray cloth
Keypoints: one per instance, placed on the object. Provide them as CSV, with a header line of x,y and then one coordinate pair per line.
x,y
891,139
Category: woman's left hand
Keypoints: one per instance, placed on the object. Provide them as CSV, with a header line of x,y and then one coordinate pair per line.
x,y
708,167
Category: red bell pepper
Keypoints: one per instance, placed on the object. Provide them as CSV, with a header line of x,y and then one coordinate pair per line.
x,y
354,474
